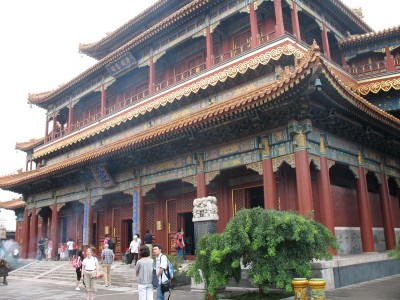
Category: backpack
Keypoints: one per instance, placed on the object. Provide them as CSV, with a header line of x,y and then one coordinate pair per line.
x,y
77,262
170,269
110,244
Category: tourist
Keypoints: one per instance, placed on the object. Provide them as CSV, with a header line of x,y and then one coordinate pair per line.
x,y
144,274
180,244
161,265
49,249
134,249
79,260
148,241
70,247
107,258
41,248
90,270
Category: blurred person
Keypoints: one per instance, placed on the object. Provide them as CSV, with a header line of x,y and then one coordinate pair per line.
x,y
144,274
90,270
107,258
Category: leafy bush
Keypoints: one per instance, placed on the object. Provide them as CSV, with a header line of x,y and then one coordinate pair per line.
x,y
275,245
395,253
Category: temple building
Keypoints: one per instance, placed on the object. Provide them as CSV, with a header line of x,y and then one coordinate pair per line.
x,y
283,104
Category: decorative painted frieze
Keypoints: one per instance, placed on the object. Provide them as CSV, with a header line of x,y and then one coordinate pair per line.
x,y
168,175
256,166
278,161
190,179
211,175
231,149
233,161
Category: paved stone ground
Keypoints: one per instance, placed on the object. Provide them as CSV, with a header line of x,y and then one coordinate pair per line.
x,y
381,289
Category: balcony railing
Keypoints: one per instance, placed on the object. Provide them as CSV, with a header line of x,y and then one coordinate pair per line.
x,y
232,53
369,69
85,122
126,102
186,74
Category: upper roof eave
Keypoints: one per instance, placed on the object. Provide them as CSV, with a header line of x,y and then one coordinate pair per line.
x,y
29,145
370,37
265,93
13,204
92,49
40,99
350,12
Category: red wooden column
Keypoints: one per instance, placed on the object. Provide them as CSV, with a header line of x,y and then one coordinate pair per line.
x,y
103,101
209,47
53,134
253,26
201,177
295,21
324,189
364,210
279,27
303,176
25,235
390,66
46,130
390,237
33,238
151,76
87,221
325,41
70,115
54,227
269,180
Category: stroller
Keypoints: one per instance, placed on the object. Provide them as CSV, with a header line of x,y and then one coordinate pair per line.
x,y
127,257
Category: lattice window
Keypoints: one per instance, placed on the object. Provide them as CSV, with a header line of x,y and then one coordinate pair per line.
x,y
149,222
172,215
239,199
117,223
126,213
185,205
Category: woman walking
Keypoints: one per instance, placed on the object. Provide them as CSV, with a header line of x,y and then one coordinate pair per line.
x,y
144,273
79,261
90,270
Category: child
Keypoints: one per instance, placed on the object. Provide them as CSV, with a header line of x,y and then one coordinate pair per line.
x,y
62,252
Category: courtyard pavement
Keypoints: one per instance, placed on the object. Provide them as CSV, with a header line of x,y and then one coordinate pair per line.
x,y
381,289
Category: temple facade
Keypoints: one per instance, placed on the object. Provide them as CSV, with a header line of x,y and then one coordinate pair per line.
x,y
287,105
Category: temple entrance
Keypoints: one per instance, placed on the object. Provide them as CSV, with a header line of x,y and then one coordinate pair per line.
x,y
247,198
256,197
64,224
188,227
127,235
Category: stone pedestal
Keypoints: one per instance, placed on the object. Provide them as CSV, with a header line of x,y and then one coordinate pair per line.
x,y
204,227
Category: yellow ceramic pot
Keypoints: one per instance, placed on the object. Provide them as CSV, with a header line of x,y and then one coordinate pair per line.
x,y
317,286
300,288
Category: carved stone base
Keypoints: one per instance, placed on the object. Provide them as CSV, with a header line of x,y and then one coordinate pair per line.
x,y
204,227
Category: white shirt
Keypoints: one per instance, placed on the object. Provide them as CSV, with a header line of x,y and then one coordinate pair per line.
x,y
134,245
90,264
161,261
70,245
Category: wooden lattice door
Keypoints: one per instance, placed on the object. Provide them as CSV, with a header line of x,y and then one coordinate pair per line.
x,y
172,224
239,200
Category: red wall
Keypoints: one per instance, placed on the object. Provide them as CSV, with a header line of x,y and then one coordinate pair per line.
x,y
345,207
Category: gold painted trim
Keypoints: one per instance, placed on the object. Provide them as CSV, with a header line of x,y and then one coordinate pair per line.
x,y
202,84
376,87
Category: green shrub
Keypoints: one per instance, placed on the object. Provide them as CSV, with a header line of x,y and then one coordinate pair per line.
x,y
275,245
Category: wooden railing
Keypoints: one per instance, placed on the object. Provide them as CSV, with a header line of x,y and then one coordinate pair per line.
x,y
126,102
179,77
232,53
91,119
369,69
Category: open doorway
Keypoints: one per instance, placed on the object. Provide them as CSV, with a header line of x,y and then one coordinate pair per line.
x,y
127,235
188,227
256,197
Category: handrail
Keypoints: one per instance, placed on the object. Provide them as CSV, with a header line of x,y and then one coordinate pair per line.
x,y
369,69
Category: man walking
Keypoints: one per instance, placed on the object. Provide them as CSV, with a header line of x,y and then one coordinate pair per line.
x,y
148,241
107,258
161,265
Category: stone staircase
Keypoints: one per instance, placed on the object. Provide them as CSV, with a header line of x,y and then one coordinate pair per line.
x,y
122,275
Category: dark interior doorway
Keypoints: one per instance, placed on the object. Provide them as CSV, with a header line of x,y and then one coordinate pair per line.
x,y
256,197
64,223
128,233
189,232
94,234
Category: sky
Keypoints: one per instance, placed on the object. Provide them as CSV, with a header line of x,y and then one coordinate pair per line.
x,y
39,52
